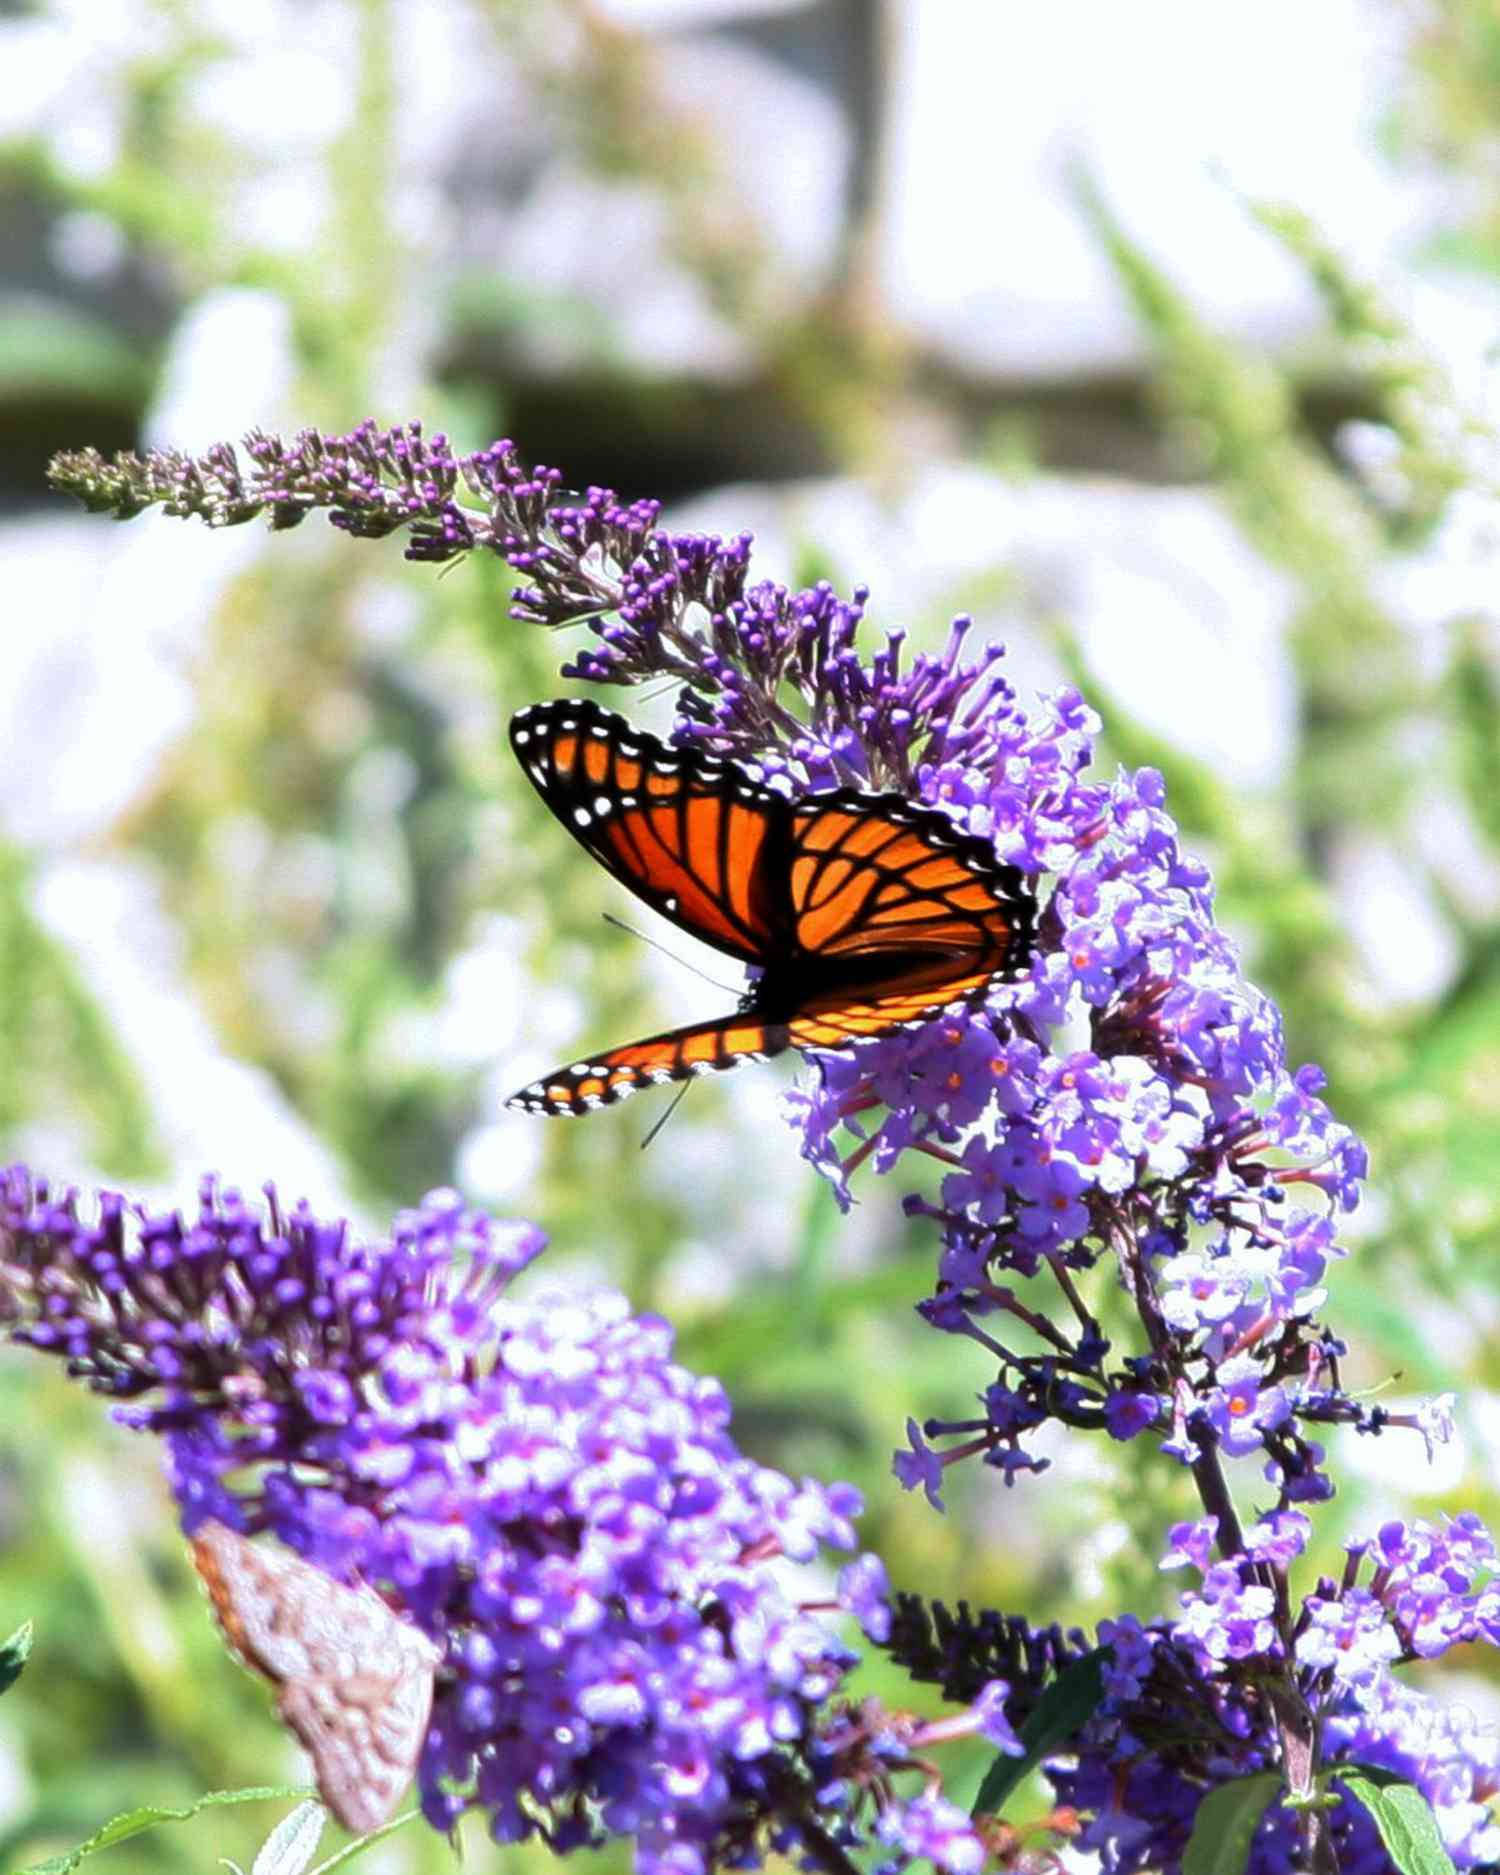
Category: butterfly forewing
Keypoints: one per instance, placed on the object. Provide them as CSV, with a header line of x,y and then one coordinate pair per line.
x,y
686,833
864,913
353,1680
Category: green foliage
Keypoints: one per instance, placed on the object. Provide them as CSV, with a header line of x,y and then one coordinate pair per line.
x,y
1360,706
47,349
293,1843
1225,1825
1404,1818
149,1816
1406,388
60,1049
14,1654
1061,1713
1235,417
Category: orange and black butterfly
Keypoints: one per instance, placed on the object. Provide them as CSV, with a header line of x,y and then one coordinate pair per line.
x,y
863,913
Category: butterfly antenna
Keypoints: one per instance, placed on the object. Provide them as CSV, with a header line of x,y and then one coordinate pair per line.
x,y
676,1103
620,925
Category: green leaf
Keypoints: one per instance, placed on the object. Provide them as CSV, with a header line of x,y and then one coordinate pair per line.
x,y
135,1822
1225,1825
294,1841
13,1656
1060,1714
353,1849
1404,1818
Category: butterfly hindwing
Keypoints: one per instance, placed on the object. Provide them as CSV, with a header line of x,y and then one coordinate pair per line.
x,y
687,833
834,1020
700,1048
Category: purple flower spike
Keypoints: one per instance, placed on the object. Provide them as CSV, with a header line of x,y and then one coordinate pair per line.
x,y
545,1492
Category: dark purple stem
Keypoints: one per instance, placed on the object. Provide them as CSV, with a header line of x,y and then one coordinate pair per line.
x,y
1296,1722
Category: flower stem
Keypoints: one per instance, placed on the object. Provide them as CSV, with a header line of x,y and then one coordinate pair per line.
x,y
1295,1721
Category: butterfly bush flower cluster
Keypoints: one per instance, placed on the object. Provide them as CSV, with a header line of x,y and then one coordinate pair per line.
x,y
546,1492
1124,1101
1183,1702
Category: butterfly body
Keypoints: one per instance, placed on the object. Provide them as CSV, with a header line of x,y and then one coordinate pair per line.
x,y
859,913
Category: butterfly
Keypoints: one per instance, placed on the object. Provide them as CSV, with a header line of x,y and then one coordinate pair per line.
x,y
353,1680
862,913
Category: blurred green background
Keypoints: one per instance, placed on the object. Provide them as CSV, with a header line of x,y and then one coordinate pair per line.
x,y
1160,338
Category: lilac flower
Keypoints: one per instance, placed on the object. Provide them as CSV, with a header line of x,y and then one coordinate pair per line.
x,y
547,1493
989,1710
1427,1579
1438,1746
920,1465
981,1190
1240,1409
1179,1112
1204,1290
864,1589
1182,1708
1131,1650
1435,1422
931,1829
1280,1537
1129,1412
1230,1619
1348,1634
1191,1544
